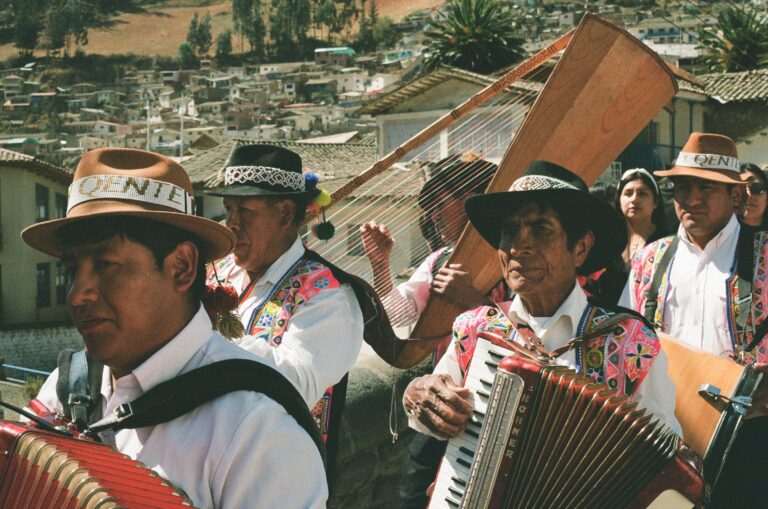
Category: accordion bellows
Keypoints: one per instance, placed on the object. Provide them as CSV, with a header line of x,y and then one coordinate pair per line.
x,y
42,470
546,436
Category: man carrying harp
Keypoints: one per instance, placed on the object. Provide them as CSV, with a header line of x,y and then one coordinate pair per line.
x,y
547,230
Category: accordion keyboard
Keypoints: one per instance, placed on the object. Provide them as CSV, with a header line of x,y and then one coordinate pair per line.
x,y
453,476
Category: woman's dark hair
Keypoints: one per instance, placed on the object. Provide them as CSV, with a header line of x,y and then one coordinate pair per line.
x,y
763,178
657,216
160,238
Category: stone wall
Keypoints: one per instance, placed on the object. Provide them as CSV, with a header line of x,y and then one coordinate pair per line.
x,y
369,465
37,348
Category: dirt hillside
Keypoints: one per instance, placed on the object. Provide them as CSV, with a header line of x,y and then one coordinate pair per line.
x,y
160,29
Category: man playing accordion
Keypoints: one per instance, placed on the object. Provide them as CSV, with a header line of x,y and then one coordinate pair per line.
x,y
548,229
135,255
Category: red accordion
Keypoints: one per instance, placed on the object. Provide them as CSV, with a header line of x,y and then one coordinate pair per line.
x,y
39,469
545,436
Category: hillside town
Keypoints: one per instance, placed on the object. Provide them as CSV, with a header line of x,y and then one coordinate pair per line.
x,y
292,137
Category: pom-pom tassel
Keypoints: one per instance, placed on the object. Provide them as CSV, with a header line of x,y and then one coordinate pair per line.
x,y
220,302
230,326
324,230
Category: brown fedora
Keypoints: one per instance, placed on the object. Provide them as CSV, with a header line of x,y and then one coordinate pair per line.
x,y
129,182
709,157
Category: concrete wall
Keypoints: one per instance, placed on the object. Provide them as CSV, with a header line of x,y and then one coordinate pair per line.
x,y
18,262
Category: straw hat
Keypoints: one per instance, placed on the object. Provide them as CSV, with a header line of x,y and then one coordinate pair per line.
x,y
709,157
129,182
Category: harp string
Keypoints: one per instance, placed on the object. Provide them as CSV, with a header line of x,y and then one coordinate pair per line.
x,y
398,217
487,131
392,212
518,93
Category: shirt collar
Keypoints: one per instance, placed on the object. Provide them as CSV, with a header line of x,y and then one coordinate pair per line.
x,y
174,356
280,266
723,238
571,309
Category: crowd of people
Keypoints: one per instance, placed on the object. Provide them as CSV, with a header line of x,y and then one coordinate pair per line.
x,y
153,289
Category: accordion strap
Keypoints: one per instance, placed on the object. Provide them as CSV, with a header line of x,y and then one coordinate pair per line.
x,y
182,394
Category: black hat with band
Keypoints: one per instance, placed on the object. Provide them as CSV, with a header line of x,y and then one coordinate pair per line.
x,y
264,170
546,183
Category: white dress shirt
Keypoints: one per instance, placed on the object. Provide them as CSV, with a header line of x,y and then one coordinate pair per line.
x,y
656,393
406,301
695,305
323,337
239,451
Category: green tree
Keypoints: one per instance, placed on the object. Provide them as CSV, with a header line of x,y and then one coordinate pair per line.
x,y
55,29
199,35
385,34
242,16
326,15
224,46
204,37
192,32
187,58
737,42
27,26
476,35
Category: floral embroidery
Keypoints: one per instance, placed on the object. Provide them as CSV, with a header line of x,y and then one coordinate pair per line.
x,y
606,358
308,279
644,266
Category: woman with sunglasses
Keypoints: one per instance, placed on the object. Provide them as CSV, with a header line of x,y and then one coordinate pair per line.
x,y
755,209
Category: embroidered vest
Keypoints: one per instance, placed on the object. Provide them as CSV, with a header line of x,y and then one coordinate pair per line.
x,y
307,279
620,358
746,295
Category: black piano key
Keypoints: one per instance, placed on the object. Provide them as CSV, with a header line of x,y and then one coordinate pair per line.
x,y
483,394
459,481
493,365
462,461
486,383
478,413
472,433
451,502
495,355
456,492
475,423
466,451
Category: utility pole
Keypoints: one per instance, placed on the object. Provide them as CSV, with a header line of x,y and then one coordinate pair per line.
x,y
147,123
182,109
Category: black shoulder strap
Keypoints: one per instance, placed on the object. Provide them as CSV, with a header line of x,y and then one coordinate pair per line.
x,y
184,393
79,385
652,294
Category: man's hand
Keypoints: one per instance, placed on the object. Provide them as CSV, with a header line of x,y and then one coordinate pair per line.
x,y
377,241
760,397
439,404
455,283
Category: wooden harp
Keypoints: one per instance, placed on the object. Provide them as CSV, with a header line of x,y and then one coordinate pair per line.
x,y
604,90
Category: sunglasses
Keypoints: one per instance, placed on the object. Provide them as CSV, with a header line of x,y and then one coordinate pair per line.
x,y
755,189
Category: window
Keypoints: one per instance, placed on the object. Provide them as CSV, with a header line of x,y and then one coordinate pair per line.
x,y
43,285
41,202
61,205
354,241
61,284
